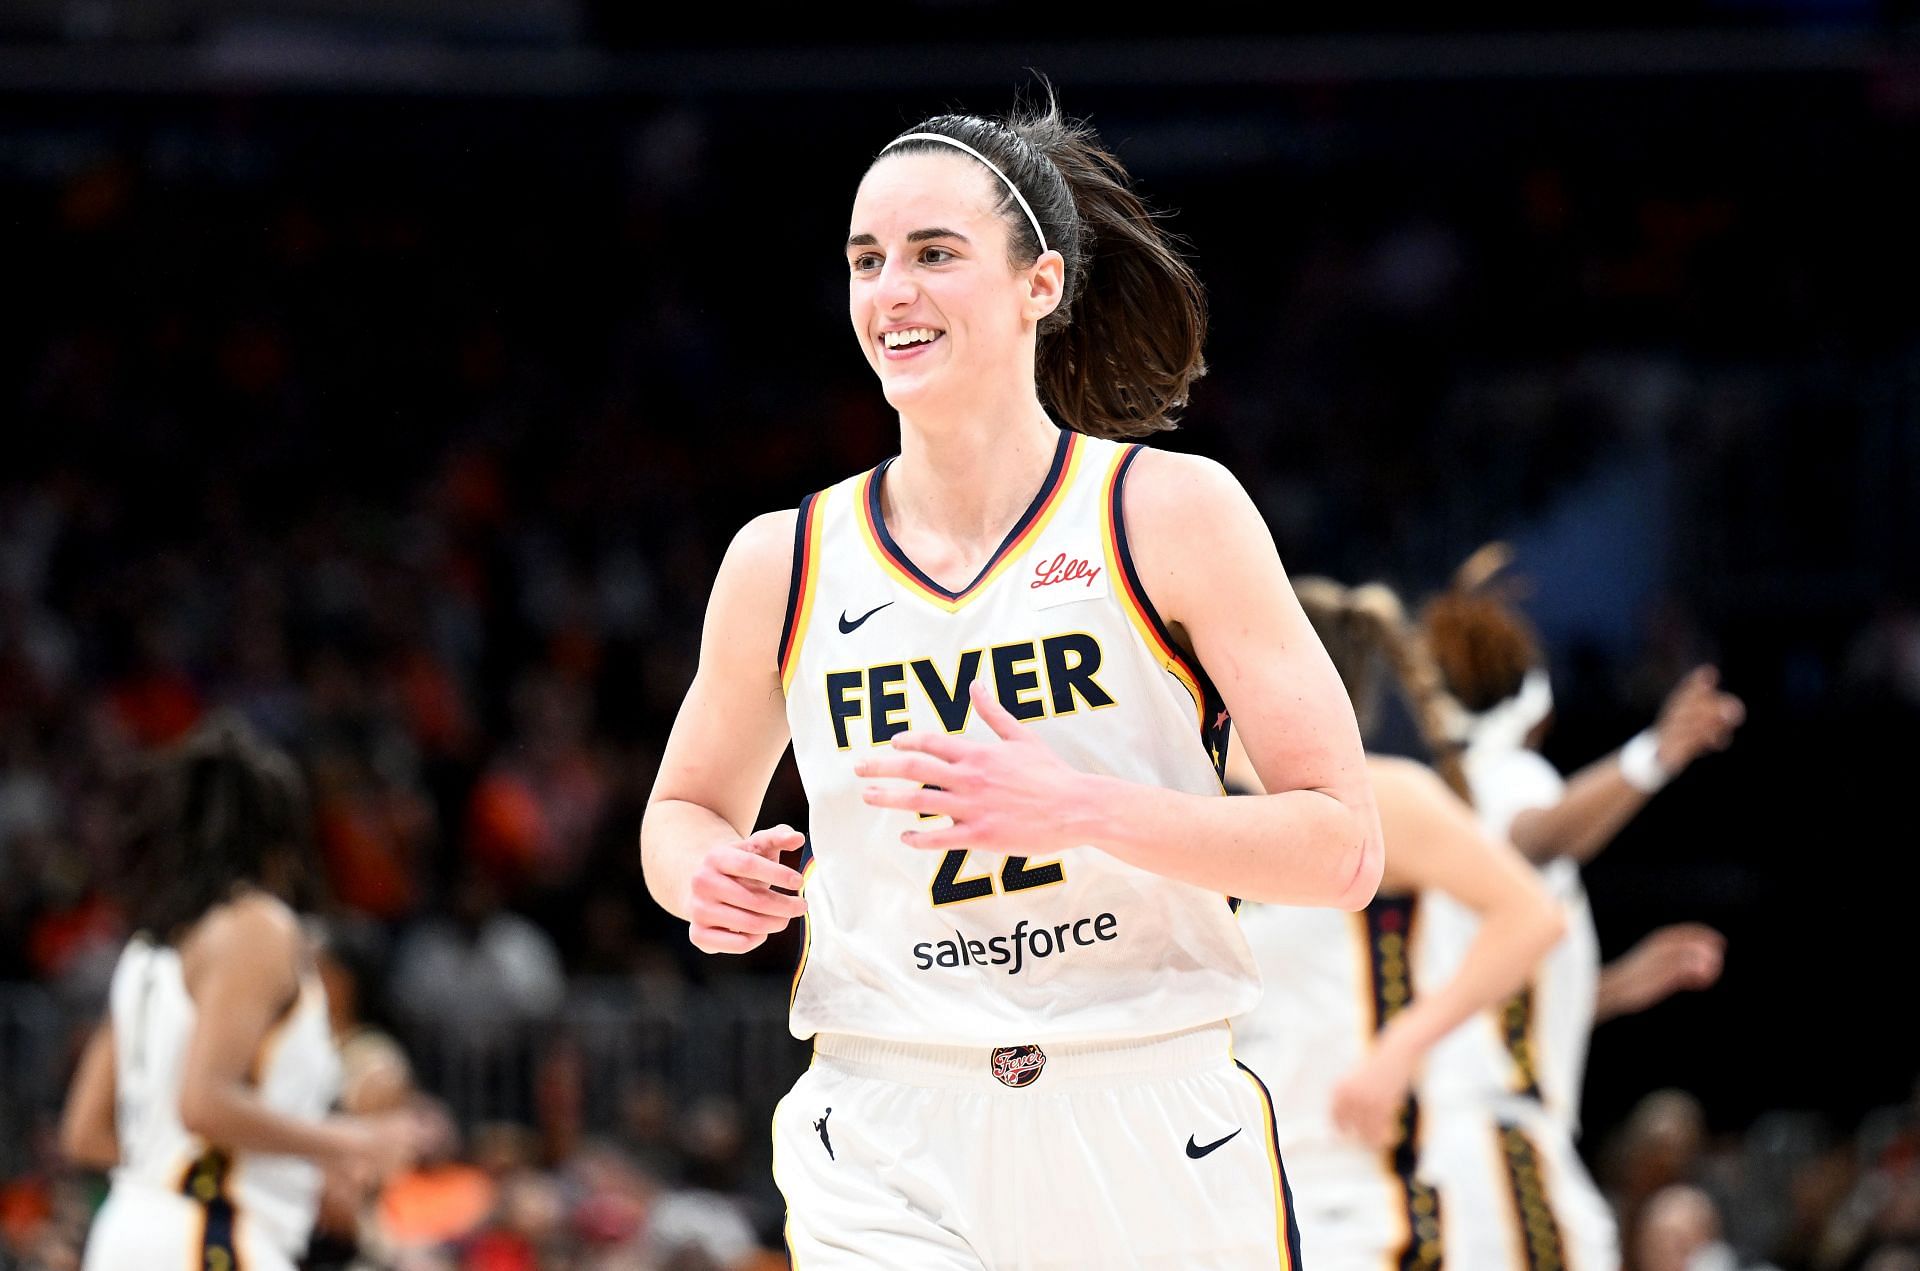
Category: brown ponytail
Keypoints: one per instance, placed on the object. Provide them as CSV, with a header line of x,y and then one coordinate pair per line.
x,y
1425,693
1356,624
1118,355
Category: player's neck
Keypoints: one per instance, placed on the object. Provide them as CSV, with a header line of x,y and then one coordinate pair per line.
x,y
968,480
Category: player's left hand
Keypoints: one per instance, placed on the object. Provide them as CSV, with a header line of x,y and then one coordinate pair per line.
x,y
1367,1101
1685,955
1012,795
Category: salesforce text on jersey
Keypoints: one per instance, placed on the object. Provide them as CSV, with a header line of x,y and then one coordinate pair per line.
x,y
1016,946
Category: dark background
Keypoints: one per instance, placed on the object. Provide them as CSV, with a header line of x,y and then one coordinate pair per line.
x,y
439,353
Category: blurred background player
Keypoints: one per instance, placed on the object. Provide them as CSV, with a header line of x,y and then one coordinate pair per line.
x,y
1346,1016
1503,1094
207,1089
376,1079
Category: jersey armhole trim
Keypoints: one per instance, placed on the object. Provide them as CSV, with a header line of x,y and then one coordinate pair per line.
x,y
801,585
1133,595
1208,705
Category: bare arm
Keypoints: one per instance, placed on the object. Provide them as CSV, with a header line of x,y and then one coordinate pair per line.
x,y
87,1133
702,859
1208,562
1696,719
1434,842
1596,806
242,968
1687,955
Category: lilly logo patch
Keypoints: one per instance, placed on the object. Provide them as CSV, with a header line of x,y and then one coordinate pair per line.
x,y
1061,574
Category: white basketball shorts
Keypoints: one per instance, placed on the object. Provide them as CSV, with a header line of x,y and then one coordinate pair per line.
x,y
1515,1196
1157,1153
143,1228
1358,1213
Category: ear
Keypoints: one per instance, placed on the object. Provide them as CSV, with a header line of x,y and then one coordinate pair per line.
x,y
1046,284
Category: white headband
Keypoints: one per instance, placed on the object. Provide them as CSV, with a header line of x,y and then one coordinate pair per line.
x,y
1505,724
1013,189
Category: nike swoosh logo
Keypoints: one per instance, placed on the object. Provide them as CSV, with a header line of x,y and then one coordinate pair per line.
x,y
1196,1151
848,628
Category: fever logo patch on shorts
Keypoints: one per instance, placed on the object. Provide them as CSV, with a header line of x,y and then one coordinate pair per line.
x,y
1018,1066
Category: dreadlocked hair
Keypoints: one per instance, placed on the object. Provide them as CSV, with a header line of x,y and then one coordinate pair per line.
x,y
1362,626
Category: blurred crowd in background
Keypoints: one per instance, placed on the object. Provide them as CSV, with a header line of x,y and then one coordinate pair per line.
x,y
413,430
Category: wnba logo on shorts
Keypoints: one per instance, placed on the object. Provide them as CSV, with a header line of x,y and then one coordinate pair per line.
x,y
1018,1066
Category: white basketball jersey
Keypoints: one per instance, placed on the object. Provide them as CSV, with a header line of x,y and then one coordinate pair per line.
x,y
1318,1010
1332,980
296,1072
1534,1049
964,949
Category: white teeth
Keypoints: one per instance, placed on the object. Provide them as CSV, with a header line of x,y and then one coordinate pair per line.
x,y
913,335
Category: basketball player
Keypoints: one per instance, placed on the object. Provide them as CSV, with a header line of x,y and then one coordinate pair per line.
x,y
1006,660
1503,1093
206,1090
1347,1016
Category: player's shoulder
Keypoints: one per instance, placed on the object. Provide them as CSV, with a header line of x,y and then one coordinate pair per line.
x,y
1194,537
253,919
255,929
762,549
1400,776
1176,475
1414,799
1170,491
768,534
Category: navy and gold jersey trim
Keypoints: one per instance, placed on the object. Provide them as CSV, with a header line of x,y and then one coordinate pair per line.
x,y
1208,704
1423,1250
800,585
1536,1230
1389,921
895,562
205,1177
805,867
205,1181
1517,1019
1389,924
1287,1230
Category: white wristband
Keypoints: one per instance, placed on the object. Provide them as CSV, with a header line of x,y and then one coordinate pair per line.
x,y
1640,763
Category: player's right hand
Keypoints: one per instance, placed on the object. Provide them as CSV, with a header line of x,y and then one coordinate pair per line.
x,y
381,1145
1696,718
1368,1100
735,907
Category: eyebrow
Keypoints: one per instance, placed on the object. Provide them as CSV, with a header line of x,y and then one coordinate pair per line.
x,y
917,236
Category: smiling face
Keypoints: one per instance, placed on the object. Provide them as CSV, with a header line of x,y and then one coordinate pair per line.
x,y
940,311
